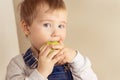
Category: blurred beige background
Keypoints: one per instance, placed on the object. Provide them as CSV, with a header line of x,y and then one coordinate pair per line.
x,y
93,28
8,35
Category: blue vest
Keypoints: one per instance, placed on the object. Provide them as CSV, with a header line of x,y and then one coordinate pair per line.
x,y
61,72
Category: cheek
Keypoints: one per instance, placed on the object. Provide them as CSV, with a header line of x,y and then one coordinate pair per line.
x,y
38,40
35,38
63,36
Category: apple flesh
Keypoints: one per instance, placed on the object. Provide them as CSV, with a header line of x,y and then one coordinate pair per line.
x,y
53,43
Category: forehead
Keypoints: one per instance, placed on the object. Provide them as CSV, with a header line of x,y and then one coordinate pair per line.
x,y
47,14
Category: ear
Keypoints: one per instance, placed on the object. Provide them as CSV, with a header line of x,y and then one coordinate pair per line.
x,y
25,27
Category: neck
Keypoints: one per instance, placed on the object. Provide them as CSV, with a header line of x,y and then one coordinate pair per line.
x,y
35,51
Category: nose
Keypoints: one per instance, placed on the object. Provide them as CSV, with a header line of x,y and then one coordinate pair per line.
x,y
55,33
55,36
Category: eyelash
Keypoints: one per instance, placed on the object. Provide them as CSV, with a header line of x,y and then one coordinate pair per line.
x,y
47,25
61,26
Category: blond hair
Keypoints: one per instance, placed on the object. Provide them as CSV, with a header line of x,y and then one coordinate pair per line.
x,y
28,8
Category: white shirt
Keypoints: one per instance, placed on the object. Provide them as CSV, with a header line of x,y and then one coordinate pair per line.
x,y
80,68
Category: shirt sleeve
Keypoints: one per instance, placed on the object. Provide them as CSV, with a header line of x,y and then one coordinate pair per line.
x,y
35,75
16,72
81,68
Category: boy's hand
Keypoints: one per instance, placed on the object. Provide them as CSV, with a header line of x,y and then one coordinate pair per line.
x,y
47,58
69,55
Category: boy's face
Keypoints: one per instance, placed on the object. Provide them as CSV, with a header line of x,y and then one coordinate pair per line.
x,y
48,26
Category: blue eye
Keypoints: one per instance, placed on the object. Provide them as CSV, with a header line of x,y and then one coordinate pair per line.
x,y
47,25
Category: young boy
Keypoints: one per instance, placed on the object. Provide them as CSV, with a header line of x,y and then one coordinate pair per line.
x,y
44,24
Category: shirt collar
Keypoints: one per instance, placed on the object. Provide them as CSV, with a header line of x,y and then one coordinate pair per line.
x,y
30,60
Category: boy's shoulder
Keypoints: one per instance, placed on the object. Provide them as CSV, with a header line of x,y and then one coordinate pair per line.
x,y
18,58
17,61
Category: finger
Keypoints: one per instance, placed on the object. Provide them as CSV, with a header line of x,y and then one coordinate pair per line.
x,y
59,53
53,53
63,61
46,52
56,59
60,61
56,47
42,46
43,49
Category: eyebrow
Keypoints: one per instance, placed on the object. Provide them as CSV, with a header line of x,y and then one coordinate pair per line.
x,y
65,22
